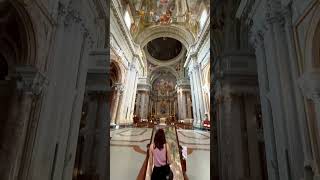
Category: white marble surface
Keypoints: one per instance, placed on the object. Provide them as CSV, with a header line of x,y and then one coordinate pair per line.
x,y
198,161
126,161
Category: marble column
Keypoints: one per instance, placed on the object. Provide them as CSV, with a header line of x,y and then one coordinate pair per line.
x,y
118,88
13,148
295,151
102,161
183,105
123,102
89,135
179,103
119,112
199,83
124,105
194,105
133,97
275,94
129,92
252,138
196,98
189,105
267,116
144,104
94,156
16,128
198,94
138,104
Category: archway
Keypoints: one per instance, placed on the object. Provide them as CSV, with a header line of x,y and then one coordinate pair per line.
x,y
173,31
17,61
117,87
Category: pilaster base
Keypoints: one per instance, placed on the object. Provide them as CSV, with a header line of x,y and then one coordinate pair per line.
x,y
197,124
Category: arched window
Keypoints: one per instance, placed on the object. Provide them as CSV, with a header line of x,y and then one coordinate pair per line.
x,y
127,19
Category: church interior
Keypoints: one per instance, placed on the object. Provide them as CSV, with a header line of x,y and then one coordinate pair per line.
x,y
86,84
160,76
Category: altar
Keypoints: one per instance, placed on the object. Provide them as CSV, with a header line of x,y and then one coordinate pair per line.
x,y
163,121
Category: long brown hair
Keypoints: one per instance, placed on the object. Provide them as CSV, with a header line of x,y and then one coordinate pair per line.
x,y
159,139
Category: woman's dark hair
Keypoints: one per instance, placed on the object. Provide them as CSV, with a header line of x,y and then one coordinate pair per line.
x,y
159,139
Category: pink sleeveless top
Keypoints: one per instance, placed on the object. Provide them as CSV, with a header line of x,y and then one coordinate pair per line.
x,y
159,156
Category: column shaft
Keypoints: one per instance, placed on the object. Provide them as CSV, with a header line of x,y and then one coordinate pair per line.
x,y
15,134
268,125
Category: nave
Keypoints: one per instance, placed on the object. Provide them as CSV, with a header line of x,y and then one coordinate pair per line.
x,y
71,71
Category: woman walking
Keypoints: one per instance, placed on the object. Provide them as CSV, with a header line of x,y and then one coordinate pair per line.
x,y
160,158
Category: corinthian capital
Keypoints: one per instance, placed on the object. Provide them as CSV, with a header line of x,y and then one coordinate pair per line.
x,y
118,87
30,80
257,39
132,66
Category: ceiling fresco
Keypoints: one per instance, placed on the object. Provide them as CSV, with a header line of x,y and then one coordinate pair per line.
x,y
163,12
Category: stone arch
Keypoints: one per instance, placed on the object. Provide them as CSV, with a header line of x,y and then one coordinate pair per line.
x,y
172,31
312,53
163,68
309,84
119,65
17,48
116,72
19,27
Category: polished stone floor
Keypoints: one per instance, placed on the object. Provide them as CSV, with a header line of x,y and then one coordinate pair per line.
x,y
128,152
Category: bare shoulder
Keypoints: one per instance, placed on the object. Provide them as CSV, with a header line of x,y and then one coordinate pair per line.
x,y
151,147
167,146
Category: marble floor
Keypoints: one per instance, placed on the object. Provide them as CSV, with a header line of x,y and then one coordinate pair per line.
x,y
128,152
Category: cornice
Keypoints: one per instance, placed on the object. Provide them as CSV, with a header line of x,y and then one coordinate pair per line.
x,y
122,26
173,31
165,63
133,47
196,47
